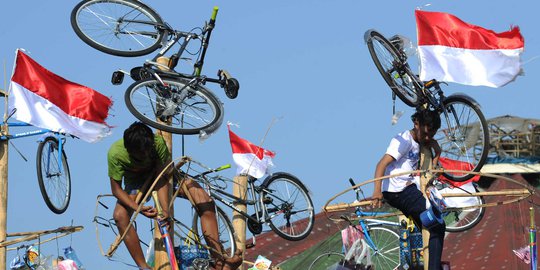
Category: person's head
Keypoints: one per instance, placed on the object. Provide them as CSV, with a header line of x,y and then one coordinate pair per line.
x,y
426,124
139,140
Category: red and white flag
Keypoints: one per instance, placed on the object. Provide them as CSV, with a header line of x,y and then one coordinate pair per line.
x,y
46,100
250,159
451,50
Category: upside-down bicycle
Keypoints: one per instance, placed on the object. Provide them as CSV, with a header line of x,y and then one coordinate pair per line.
x,y
464,133
160,96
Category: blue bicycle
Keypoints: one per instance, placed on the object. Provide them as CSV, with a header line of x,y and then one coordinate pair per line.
x,y
52,167
380,240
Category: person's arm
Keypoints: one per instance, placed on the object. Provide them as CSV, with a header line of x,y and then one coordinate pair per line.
x,y
124,199
437,151
379,172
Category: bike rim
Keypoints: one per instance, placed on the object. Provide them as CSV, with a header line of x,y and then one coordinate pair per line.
x,y
182,106
461,137
291,211
118,26
391,63
56,183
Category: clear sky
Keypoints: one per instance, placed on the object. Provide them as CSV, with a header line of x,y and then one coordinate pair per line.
x,y
302,62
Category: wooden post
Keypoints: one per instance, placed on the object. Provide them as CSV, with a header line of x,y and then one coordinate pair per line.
x,y
3,195
3,179
425,164
239,221
161,259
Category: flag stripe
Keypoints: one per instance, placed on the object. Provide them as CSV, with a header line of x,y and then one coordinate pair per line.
x,y
72,98
45,114
241,146
471,67
438,28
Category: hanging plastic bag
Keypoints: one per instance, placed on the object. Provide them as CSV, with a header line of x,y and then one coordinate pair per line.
x,y
350,235
189,250
149,258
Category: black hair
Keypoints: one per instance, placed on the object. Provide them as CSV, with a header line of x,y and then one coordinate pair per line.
x,y
138,137
428,118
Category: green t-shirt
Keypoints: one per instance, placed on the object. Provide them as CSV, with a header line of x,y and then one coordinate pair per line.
x,y
122,166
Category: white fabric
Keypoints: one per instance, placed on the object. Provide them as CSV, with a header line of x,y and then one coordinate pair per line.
x,y
249,163
39,112
493,68
406,153
460,201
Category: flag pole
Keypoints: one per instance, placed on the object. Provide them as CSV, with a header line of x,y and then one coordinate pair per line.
x,y
262,142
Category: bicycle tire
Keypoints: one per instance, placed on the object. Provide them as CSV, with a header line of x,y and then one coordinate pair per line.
x,y
286,215
462,220
189,109
227,236
142,34
328,261
54,185
470,143
385,253
393,68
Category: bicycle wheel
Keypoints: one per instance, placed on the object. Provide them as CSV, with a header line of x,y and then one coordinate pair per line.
x,y
384,245
188,109
54,183
288,206
118,27
227,237
464,219
463,136
393,67
328,261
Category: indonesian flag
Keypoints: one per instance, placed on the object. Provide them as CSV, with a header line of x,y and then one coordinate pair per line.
x,y
46,100
249,158
451,164
451,50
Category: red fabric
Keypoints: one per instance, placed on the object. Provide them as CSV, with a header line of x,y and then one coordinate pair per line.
x,y
74,99
450,164
241,146
438,28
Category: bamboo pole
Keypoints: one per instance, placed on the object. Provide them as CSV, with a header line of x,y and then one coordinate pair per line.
x,y
161,258
425,164
239,221
3,179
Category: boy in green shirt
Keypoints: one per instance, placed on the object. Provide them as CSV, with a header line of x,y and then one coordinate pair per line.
x,y
137,158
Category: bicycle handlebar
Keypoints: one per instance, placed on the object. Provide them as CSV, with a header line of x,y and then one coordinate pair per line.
x,y
211,24
214,15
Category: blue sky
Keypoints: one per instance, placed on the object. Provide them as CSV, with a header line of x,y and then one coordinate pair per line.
x,y
302,62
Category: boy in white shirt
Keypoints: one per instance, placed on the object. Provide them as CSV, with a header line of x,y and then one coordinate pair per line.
x,y
401,192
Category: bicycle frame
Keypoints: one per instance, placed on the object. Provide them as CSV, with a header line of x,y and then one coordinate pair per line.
x,y
60,138
256,192
174,36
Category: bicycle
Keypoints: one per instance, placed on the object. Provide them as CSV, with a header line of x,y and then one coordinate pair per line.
x,y
380,239
464,133
51,163
282,201
160,96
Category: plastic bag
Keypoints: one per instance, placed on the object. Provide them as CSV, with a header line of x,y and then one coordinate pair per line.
x,y
149,257
189,250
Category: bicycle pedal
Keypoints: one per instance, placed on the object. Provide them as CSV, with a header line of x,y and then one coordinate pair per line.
x,y
267,200
250,245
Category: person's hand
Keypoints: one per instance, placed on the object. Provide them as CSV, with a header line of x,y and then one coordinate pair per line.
x,y
149,211
164,217
376,199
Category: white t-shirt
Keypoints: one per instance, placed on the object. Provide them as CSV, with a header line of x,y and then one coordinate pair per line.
x,y
406,153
